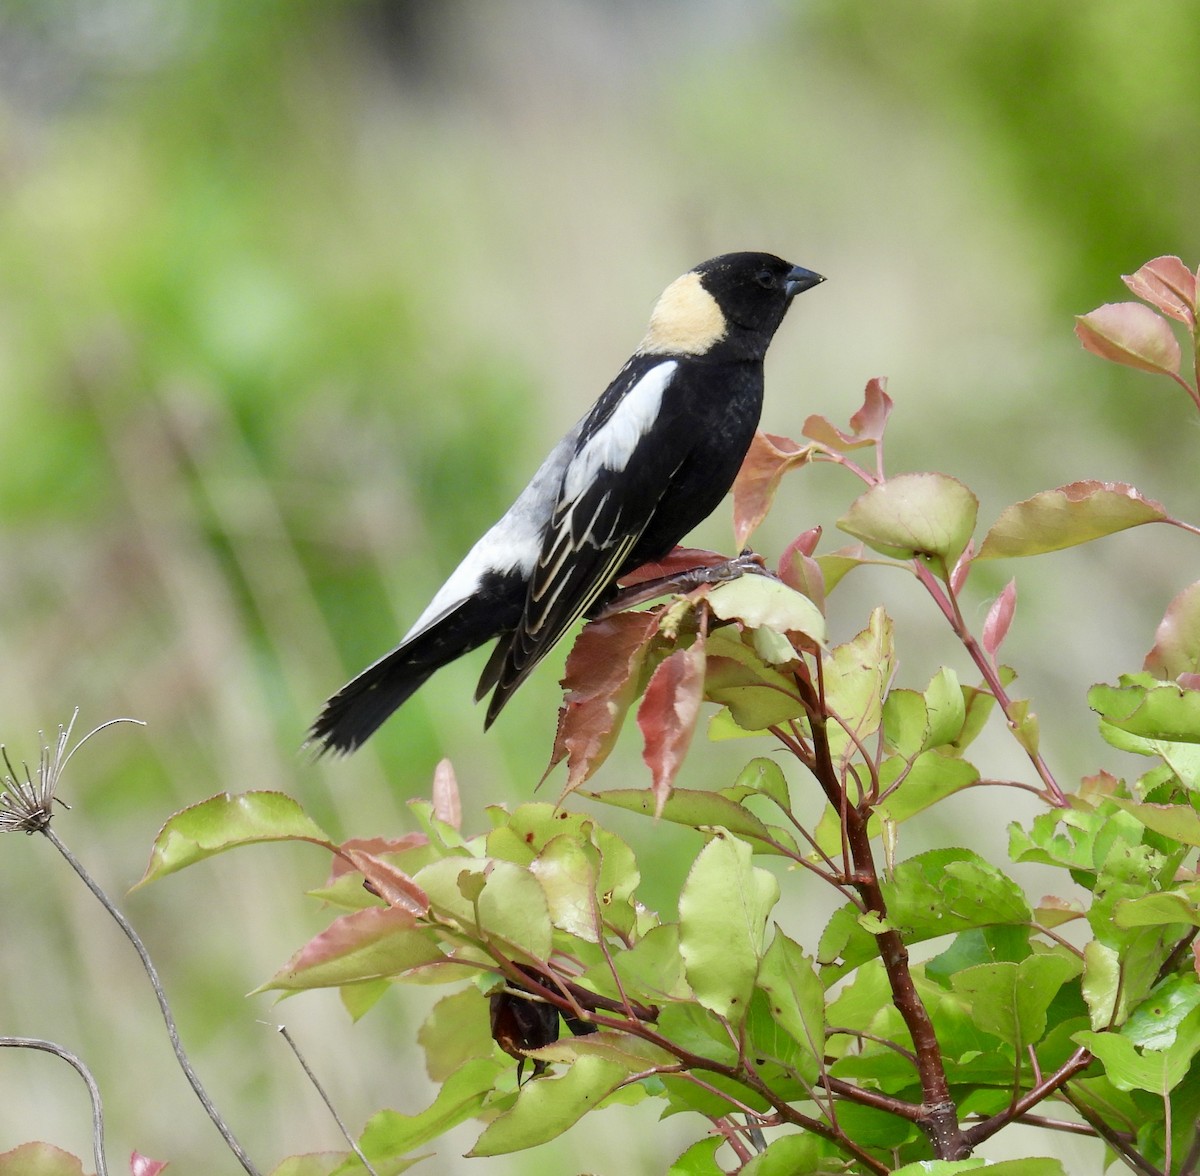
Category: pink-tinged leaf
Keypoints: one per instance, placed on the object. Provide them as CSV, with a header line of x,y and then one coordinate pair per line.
x,y
962,569
1132,334
1167,284
866,425
999,617
798,569
1176,649
224,822
1067,516
389,882
377,846
765,463
667,717
371,944
680,560
140,1165
1188,681
447,806
870,421
601,681
914,515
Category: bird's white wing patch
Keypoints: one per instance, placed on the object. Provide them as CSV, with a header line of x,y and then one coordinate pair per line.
x,y
513,544
612,445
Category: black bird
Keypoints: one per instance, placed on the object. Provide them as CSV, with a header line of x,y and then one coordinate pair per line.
x,y
651,459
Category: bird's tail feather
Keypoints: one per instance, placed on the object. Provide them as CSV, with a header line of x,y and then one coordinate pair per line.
x,y
357,710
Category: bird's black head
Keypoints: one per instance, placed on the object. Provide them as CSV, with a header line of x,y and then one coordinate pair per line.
x,y
734,302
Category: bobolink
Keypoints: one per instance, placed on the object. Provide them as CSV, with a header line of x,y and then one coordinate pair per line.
x,y
652,458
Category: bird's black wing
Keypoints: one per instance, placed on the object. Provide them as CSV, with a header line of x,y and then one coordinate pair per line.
x,y
626,454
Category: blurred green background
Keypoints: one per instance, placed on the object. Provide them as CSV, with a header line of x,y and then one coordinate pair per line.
x,y
294,297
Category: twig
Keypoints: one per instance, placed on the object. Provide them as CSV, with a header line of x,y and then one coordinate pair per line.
x,y
89,1081
283,1032
1118,1142
1078,1061
172,1032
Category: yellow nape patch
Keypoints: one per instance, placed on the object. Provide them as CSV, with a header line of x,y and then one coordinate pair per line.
x,y
686,320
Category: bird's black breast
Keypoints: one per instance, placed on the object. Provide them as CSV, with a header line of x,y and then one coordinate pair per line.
x,y
713,410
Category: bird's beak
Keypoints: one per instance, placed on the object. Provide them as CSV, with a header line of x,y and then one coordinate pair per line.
x,y
799,279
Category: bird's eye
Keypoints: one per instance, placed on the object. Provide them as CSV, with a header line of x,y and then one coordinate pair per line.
x,y
765,279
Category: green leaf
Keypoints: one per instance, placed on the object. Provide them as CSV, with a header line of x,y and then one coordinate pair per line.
x,y
796,998
389,1134
1101,982
1156,1022
546,1108
766,776
905,722
513,907
698,810
567,873
1010,999
39,1159
914,515
789,1155
764,602
932,777
935,893
457,1029
946,708
1149,708
225,821
723,911
1181,905
757,695
1070,515
1155,1071
699,1159
857,674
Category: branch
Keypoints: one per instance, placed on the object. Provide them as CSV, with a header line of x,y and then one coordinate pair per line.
x,y
89,1081
938,1114
1078,1061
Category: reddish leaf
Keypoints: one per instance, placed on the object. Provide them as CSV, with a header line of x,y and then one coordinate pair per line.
x,y
962,568
1069,515
371,944
866,425
668,715
767,460
372,845
601,681
798,569
447,806
1132,334
389,882
681,559
1167,284
140,1165
1177,640
999,617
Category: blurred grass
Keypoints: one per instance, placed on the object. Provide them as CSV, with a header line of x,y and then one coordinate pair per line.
x,y
293,298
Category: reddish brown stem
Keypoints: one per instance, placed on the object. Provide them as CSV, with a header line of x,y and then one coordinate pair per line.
x,y
1078,1061
937,1116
